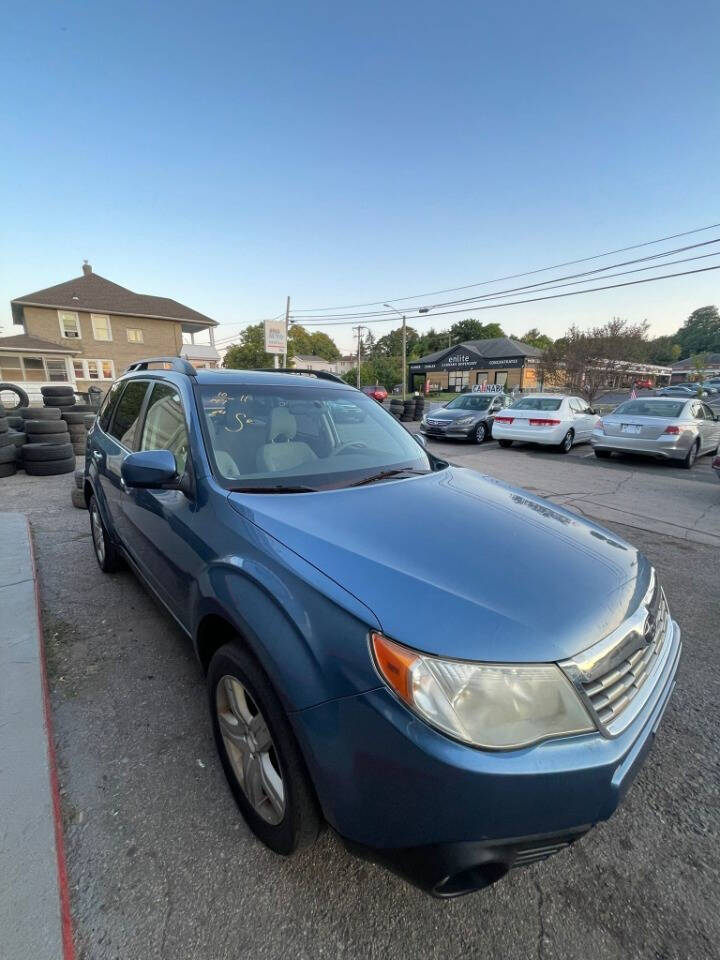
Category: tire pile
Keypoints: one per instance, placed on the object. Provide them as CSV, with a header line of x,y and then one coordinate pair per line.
x,y
405,410
45,440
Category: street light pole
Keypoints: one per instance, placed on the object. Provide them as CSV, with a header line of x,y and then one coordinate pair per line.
x,y
287,323
358,353
404,347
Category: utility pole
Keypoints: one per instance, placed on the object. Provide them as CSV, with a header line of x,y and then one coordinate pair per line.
x,y
359,329
404,348
287,323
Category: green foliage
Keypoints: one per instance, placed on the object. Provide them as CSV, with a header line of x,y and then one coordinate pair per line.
x,y
536,339
387,371
664,350
319,344
430,342
249,352
700,332
474,330
391,344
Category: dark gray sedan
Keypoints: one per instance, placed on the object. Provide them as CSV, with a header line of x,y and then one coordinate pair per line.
x,y
467,417
675,429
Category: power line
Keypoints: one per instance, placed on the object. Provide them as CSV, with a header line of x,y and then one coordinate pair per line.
x,y
512,276
512,303
550,283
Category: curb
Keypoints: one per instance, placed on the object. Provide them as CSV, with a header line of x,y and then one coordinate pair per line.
x,y
35,913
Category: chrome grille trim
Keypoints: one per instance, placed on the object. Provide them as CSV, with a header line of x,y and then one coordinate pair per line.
x,y
615,677
436,423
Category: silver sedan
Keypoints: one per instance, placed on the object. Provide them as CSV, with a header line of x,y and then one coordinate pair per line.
x,y
674,429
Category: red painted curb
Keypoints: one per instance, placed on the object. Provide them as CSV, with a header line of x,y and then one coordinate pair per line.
x,y
63,888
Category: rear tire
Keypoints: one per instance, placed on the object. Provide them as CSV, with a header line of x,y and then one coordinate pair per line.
x,y
480,433
283,811
505,443
689,461
106,553
567,441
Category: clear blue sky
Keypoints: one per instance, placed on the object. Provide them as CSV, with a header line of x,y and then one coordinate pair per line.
x,y
226,154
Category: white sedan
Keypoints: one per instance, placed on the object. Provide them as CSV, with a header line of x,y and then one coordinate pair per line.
x,y
549,418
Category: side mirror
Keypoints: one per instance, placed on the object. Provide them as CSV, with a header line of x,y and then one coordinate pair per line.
x,y
150,469
421,440
592,411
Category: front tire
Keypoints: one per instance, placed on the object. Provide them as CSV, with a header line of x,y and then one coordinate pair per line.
x,y
567,442
260,756
505,443
106,553
480,433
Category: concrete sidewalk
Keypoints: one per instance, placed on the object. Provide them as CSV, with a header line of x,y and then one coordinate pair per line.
x,y
34,906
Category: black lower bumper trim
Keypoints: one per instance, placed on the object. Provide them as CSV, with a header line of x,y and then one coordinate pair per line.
x,y
453,869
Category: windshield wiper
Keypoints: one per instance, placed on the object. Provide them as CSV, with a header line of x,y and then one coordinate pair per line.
x,y
278,488
386,474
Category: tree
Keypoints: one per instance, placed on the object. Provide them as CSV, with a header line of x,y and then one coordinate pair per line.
x,y
430,342
386,371
302,343
474,330
663,350
249,352
536,339
700,332
584,361
391,344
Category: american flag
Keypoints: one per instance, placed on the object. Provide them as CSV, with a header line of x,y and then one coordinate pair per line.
x,y
483,386
633,394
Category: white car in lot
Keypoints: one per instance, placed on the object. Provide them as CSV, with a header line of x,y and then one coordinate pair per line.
x,y
553,419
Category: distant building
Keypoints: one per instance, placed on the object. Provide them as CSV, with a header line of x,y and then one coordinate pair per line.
x,y
498,361
311,361
88,330
201,355
686,368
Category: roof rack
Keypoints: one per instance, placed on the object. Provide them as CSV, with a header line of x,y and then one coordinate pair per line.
x,y
178,364
306,371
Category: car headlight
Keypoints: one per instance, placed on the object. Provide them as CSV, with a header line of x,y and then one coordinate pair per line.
x,y
465,421
496,706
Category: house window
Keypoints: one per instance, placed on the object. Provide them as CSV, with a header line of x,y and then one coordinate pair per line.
x,y
56,371
458,380
135,335
34,369
101,326
10,368
94,369
69,325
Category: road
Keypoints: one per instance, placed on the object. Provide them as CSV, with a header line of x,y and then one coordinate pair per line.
x,y
162,866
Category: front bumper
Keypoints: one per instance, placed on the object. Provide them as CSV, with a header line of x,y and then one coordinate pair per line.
x,y
450,818
668,447
451,431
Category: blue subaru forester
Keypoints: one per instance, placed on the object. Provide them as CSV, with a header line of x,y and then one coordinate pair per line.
x,y
448,720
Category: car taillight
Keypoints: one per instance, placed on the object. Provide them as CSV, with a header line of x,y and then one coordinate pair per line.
x,y
673,430
504,419
544,423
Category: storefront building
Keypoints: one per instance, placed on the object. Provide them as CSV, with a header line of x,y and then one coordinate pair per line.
x,y
501,361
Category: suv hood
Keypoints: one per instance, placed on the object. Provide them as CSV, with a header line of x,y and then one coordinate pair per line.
x,y
461,565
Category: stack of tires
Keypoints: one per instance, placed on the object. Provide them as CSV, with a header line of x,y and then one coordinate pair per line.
x,y
396,407
75,415
419,407
48,450
7,447
77,494
408,410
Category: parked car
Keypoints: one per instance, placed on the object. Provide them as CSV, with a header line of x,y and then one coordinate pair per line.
x,y
549,418
448,721
344,412
377,392
682,390
710,386
716,467
675,429
468,416
645,384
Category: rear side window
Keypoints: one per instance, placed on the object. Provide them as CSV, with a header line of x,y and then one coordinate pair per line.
x,y
164,427
537,403
127,413
109,405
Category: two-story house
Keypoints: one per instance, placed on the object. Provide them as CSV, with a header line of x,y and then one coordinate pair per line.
x,y
88,330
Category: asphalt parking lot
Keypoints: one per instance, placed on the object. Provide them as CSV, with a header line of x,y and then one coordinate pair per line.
x,y
162,866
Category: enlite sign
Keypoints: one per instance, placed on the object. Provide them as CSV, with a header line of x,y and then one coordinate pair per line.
x,y
275,338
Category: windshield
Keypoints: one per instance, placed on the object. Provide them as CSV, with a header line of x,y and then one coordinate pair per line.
x,y
537,403
291,438
469,402
651,408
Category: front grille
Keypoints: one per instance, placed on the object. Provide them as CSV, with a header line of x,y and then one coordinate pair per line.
x,y
435,423
613,691
616,676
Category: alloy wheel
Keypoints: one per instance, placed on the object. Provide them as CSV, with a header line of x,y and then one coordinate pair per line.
x,y
250,749
480,432
98,534
568,441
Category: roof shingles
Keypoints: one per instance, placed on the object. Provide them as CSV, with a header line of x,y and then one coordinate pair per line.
x,y
93,292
